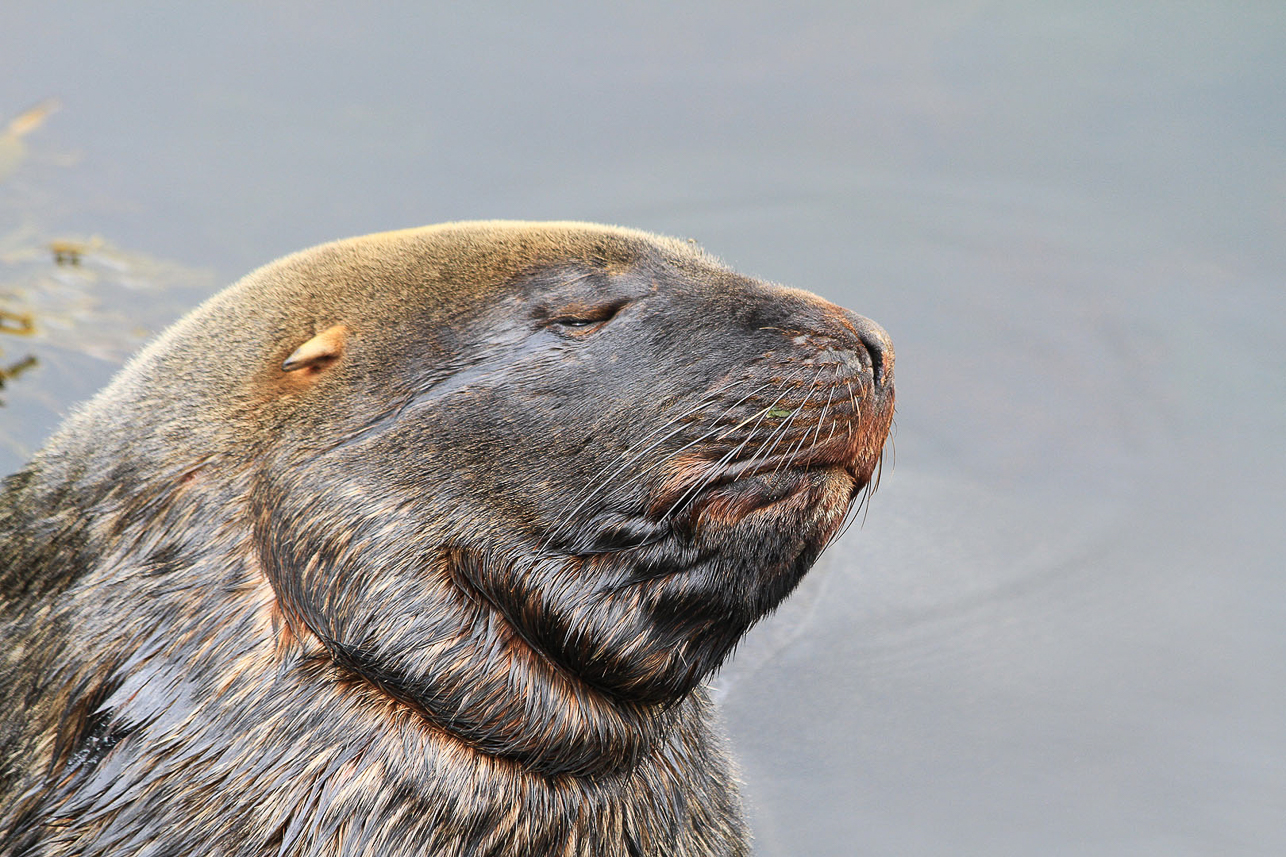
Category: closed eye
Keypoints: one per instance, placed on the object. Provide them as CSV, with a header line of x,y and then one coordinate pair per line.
x,y
580,321
575,322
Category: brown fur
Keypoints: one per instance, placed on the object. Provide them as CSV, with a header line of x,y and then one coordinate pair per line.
x,y
422,543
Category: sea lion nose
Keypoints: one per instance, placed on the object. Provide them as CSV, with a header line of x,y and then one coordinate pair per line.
x,y
878,345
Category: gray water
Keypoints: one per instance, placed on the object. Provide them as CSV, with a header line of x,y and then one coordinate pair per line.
x,y
1061,628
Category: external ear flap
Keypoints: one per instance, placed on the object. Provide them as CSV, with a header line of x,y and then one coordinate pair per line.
x,y
320,351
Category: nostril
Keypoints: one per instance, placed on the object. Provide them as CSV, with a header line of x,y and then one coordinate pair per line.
x,y
878,346
881,351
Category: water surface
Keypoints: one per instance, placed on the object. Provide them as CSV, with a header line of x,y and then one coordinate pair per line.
x,y
1061,628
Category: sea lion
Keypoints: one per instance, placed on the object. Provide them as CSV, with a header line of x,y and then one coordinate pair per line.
x,y
422,543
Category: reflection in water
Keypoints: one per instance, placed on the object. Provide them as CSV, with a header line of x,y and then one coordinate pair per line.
x,y
12,148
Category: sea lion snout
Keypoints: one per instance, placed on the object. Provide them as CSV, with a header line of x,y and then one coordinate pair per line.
x,y
825,333
877,344
865,353
844,336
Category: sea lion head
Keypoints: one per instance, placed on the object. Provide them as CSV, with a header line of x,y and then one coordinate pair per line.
x,y
532,480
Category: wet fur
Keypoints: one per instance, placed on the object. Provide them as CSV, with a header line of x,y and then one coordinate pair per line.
x,y
452,593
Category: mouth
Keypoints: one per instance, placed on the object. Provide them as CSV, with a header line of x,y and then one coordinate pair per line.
x,y
802,487
803,498
801,494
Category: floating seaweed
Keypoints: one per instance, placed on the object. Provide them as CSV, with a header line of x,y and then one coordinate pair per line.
x,y
72,307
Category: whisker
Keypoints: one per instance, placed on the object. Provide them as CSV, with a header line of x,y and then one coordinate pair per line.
x,y
812,388
775,437
830,435
777,431
600,482
863,506
770,442
821,418
713,471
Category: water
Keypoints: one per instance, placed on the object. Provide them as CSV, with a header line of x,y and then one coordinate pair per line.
x,y
1061,629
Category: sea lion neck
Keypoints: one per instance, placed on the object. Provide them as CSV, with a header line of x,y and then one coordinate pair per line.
x,y
448,653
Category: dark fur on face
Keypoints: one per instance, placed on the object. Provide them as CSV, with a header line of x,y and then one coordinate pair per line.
x,y
445,581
